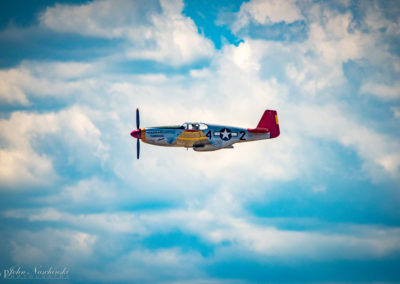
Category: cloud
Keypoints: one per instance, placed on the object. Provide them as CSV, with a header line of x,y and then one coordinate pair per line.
x,y
267,12
140,264
315,68
51,247
105,210
19,163
112,116
10,93
396,112
26,162
99,18
152,30
216,226
243,66
376,149
35,80
314,63
382,91
335,31
377,20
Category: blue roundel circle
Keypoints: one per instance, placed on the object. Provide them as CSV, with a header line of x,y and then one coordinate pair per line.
x,y
225,134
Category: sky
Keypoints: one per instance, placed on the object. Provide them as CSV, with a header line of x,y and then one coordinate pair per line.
x,y
320,203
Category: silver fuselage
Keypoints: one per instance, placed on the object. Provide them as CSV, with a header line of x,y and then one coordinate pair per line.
x,y
199,136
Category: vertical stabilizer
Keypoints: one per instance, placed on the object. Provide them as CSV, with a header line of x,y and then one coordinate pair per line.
x,y
269,121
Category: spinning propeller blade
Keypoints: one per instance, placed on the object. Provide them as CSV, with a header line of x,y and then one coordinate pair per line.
x,y
138,138
137,148
137,119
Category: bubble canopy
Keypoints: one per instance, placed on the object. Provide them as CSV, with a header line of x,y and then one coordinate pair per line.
x,y
195,126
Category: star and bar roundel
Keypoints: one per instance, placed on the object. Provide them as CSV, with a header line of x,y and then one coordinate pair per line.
x,y
225,134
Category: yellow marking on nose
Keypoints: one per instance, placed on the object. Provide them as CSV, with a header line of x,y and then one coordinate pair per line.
x,y
276,119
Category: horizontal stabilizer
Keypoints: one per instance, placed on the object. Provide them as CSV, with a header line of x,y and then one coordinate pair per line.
x,y
258,130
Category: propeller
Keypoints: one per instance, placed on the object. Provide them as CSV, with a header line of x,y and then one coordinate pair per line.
x,y
137,148
137,119
137,134
138,140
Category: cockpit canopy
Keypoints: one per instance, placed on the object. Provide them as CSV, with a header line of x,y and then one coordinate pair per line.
x,y
195,126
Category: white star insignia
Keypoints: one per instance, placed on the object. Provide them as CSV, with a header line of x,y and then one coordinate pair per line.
x,y
225,134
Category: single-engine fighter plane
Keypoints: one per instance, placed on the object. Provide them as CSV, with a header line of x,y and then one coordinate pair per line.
x,y
206,137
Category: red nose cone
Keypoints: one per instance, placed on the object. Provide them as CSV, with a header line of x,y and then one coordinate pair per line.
x,y
136,133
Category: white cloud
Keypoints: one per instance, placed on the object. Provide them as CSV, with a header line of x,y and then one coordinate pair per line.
x,y
218,225
382,91
109,19
9,92
61,70
315,68
21,162
376,21
140,264
56,248
267,12
166,36
210,188
66,81
19,167
216,101
396,112
329,122
77,251
241,102
332,33
390,162
332,40
325,121
112,114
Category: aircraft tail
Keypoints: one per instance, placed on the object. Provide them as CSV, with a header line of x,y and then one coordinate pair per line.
x,y
268,123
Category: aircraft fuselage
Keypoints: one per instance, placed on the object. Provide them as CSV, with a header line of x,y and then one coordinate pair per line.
x,y
207,137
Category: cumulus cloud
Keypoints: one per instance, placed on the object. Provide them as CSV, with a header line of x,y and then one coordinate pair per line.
x,y
218,226
396,112
85,149
153,30
25,162
57,248
126,96
333,37
243,66
382,91
267,12
332,40
328,122
315,67
65,81
99,18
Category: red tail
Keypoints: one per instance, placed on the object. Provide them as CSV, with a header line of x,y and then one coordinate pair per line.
x,y
268,123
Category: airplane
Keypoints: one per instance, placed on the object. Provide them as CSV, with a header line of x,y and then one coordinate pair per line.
x,y
203,136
